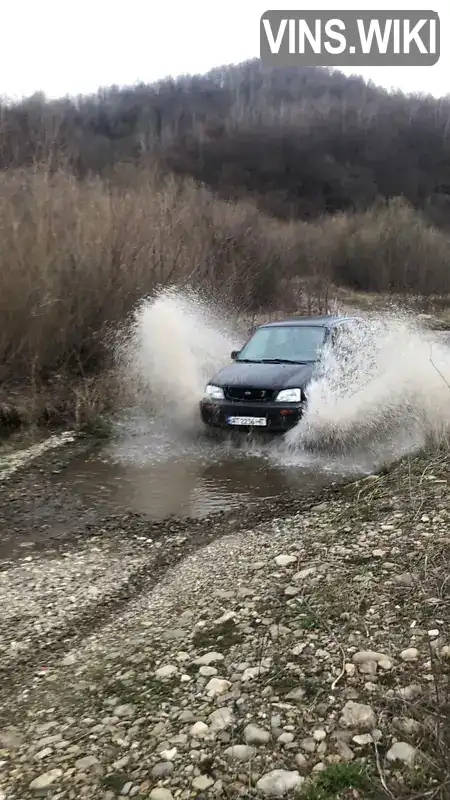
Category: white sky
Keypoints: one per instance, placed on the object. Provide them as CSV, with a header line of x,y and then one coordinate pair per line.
x,y
74,48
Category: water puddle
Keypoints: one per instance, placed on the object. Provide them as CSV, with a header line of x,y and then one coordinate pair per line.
x,y
158,474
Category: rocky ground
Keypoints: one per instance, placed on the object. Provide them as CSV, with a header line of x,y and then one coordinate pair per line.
x,y
299,651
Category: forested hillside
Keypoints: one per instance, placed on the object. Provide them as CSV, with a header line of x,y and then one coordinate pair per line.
x,y
301,142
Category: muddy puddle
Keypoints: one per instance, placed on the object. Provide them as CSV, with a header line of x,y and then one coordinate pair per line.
x,y
158,473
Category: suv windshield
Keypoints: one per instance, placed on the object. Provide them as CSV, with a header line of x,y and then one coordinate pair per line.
x,y
298,343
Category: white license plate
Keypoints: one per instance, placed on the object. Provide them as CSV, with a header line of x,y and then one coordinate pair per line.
x,y
258,421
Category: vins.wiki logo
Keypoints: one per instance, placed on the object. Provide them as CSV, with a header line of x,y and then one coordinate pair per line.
x,y
350,38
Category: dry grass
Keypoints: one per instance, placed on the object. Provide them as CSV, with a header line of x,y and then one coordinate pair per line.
x,y
75,257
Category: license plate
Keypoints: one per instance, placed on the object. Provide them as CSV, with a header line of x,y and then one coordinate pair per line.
x,y
257,421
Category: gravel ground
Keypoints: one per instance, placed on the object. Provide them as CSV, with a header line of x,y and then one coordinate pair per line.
x,y
295,651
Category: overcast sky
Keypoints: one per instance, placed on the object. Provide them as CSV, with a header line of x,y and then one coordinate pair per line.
x,y
74,48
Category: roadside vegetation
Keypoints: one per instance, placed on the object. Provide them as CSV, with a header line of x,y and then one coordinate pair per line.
x,y
104,199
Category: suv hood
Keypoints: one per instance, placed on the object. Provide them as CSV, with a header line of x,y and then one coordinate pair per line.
x,y
264,376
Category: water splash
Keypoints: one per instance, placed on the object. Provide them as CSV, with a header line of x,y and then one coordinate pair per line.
x,y
177,340
384,392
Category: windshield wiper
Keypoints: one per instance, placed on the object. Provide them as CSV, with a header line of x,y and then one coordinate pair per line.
x,y
247,361
282,361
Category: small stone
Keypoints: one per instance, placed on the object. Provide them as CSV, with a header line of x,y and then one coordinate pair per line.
x,y
406,579
296,694
207,672
279,783
160,793
199,730
319,735
406,725
255,735
208,658
369,655
202,783
285,560
180,738
298,649
163,769
344,750
86,763
304,573
301,761
168,755
226,616
46,780
173,633
410,654
217,686
69,660
308,744
126,710
291,591
363,739
410,692
433,633
221,719
240,752
10,739
157,729
182,656
368,668
402,751
167,671
47,740
126,789
358,715
121,763
47,751
278,630
186,716
286,738
252,672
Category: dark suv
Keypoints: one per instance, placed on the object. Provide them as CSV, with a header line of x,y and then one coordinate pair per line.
x,y
265,387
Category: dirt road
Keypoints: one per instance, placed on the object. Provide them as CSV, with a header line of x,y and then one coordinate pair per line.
x,y
298,648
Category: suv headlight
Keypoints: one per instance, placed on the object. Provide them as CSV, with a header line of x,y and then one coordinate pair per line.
x,y
289,396
214,392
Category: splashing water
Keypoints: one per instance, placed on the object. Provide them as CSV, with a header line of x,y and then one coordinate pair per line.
x,y
176,342
384,391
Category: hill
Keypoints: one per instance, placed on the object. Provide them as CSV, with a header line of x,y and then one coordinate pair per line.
x,y
301,142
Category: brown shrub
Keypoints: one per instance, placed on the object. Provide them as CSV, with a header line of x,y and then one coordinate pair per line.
x,y
75,257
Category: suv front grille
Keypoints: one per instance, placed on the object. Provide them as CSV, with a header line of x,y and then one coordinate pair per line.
x,y
246,394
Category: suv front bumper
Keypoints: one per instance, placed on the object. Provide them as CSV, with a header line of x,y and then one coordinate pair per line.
x,y
279,417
